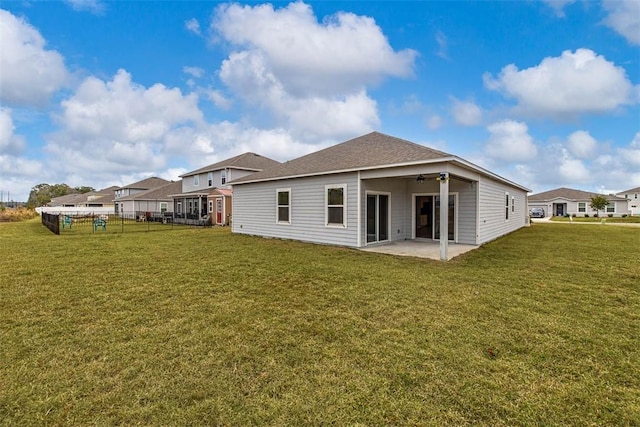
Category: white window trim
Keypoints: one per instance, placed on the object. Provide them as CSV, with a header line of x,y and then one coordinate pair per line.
x,y
283,190
210,179
196,180
328,187
606,208
378,193
513,204
223,177
210,206
585,207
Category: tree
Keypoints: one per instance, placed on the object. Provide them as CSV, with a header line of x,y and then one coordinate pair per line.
x,y
598,203
83,189
42,194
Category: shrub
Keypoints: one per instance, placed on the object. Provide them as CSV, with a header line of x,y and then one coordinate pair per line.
x,y
18,214
624,215
573,215
595,215
586,215
610,215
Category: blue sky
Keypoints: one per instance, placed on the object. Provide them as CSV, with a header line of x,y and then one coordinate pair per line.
x,y
545,93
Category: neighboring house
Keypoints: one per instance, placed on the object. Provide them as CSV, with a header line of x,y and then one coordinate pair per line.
x,y
206,192
633,198
93,202
154,203
378,188
567,201
132,189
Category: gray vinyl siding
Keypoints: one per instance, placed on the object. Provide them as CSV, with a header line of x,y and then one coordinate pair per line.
x,y
467,203
400,204
254,210
187,181
491,214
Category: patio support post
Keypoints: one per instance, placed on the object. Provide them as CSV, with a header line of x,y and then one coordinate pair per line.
x,y
444,215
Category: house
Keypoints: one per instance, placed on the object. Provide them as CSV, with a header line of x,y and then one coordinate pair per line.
x,y
93,202
374,189
131,189
155,203
633,198
567,201
206,193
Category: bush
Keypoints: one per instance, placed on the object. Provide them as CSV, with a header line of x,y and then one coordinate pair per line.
x,y
610,215
18,214
624,215
586,215
595,215
573,215
566,215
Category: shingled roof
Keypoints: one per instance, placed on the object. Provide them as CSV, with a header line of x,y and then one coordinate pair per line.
x,y
246,161
569,194
147,183
158,193
365,152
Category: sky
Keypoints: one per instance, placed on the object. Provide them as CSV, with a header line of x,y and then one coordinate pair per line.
x,y
93,93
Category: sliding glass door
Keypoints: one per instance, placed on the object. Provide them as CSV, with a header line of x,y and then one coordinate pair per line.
x,y
377,217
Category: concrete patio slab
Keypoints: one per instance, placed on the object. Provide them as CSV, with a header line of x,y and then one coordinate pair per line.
x,y
419,249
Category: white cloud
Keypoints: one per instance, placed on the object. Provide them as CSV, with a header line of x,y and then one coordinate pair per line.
x,y
443,48
218,99
434,122
573,170
93,6
193,71
343,53
558,6
9,142
466,113
624,17
118,126
30,73
313,69
193,25
631,154
510,141
582,144
576,82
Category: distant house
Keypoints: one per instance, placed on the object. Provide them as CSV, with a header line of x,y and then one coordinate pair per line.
x,y
129,190
206,193
567,201
154,203
633,197
92,203
374,189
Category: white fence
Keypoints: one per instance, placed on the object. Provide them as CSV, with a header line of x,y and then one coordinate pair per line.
x,y
75,210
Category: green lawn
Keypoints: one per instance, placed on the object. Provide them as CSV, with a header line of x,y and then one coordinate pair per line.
x,y
202,327
613,220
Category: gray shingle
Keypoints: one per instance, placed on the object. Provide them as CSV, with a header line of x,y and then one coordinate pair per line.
x,y
368,151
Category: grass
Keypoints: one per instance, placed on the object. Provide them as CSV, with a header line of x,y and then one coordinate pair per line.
x,y
203,327
614,220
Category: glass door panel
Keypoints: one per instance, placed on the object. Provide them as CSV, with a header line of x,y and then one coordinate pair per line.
x,y
452,215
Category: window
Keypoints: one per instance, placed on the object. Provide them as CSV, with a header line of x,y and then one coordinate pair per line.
x,y
611,207
513,204
179,207
223,175
336,209
506,204
582,207
196,180
210,206
163,207
210,179
283,211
